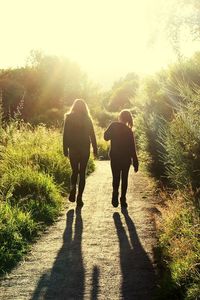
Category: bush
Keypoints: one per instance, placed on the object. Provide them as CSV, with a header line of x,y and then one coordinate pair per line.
x,y
150,148
103,149
103,146
182,143
169,140
39,148
54,164
178,239
104,118
17,229
32,191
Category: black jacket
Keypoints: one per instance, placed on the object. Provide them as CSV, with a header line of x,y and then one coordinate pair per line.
x,y
122,143
78,133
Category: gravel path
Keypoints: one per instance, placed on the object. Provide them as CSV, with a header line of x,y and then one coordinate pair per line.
x,y
99,252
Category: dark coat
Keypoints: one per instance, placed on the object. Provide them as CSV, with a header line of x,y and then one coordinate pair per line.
x,y
78,133
122,143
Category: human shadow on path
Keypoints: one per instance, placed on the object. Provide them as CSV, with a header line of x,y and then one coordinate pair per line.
x,y
95,283
66,280
138,275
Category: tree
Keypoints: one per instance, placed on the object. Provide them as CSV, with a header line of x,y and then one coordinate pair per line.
x,y
48,85
179,21
12,93
123,92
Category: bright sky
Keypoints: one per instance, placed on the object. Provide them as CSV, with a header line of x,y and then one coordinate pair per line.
x,y
107,38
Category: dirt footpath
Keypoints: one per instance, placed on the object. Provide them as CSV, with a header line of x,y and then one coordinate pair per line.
x,y
99,252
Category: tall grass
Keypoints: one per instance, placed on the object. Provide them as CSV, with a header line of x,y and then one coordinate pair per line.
x,y
34,177
181,140
179,241
170,142
17,229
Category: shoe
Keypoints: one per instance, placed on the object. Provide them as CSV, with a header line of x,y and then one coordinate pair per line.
x,y
123,202
115,201
72,195
79,201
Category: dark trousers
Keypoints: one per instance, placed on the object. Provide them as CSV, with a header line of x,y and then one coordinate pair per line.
x,y
120,170
78,163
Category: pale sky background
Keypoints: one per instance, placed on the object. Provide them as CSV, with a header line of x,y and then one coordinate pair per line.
x,y
107,38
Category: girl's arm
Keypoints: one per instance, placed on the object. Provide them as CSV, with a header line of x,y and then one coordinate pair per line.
x,y
134,154
107,133
93,139
65,138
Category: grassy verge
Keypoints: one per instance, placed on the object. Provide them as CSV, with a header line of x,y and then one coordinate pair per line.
x,y
179,247
34,177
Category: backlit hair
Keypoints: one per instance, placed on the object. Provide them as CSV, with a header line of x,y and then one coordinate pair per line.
x,y
80,107
126,117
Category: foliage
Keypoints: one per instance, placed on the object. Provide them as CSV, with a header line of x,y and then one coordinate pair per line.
x,y
182,142
123,92
35,174
47,85
178,240
38,148
103,146
104,118
169,140
32,191
17,229
171,103
178,21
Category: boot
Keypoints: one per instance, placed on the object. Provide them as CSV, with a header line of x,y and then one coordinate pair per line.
x,y
79,201
115,201
72,194
123,202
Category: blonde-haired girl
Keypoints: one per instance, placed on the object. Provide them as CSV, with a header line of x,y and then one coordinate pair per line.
x,y
78,133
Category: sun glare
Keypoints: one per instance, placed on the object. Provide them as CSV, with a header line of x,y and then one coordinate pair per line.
x,y
107,38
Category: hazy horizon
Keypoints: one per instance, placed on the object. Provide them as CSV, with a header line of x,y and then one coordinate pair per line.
x,y
107,39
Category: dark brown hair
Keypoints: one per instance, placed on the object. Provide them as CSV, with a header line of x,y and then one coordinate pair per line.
x,y
126,117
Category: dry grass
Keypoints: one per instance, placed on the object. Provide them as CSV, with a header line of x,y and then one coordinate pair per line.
x,y
178,239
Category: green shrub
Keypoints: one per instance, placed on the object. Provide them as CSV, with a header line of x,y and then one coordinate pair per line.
x,y
104,118
32,191
178,239
181,141
103,149
103,146
54,164
39,148
150,148
17,229
169,140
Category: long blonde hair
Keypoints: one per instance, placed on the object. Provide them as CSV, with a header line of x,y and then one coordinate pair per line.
x,y
80,107
126,117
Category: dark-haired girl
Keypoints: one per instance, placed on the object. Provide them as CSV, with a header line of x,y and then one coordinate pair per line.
x,y
78,133
122,154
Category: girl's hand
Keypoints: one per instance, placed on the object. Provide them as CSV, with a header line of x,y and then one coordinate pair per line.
x,y
136,167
